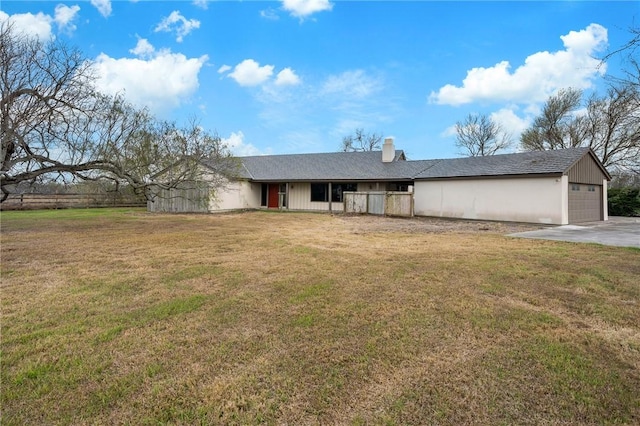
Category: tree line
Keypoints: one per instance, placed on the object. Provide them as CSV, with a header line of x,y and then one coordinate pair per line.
x,y
57,127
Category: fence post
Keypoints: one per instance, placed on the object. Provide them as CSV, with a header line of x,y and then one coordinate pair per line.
x,y
367,202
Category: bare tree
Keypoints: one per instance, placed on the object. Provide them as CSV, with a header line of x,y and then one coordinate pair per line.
x,y
556,127
478,135
610,125
361,141
631,63
56,127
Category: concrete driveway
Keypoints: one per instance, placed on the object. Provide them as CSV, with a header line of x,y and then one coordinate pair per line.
x,y
617,231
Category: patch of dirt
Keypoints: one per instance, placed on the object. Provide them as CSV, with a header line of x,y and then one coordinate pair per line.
x,y
367,223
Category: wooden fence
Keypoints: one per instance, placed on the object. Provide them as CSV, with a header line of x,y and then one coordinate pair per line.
x,y
178,200
388,203
66,201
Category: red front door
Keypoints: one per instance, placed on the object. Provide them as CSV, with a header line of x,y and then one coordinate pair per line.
x,y
273,196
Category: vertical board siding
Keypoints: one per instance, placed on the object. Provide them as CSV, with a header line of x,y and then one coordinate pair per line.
x,y
300,198
355,202
376,203
398,204
586,170
177,200
379,203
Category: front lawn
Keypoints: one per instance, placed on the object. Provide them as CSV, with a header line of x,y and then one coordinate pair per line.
x,y
124,317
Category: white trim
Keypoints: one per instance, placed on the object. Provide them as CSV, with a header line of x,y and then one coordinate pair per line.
x,y
564,202
605,201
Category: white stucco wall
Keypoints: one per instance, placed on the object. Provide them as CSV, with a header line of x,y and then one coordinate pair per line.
x,y
536,200
235,195
605,202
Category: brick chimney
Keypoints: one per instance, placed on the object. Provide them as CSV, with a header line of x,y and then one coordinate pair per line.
x,y
388,150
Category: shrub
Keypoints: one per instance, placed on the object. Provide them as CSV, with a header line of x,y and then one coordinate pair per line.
x,y
624,201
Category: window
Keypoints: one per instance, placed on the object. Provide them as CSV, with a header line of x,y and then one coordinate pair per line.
x,y
338,188
399,186
575,187
320,192
591,188
263,194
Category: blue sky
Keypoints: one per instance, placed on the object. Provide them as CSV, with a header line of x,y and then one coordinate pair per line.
x,y
295,76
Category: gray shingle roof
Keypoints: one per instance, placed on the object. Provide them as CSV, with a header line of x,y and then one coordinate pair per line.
x,y
359,166
523,163
333,166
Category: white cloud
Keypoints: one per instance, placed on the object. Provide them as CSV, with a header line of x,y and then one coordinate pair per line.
x,y
585,41
64,15
304,8
103,6
511,122
352,84
203,4
162,82
287,77
449,131
250,73
143,49
236,144
38,25
269,14
542,74
178,23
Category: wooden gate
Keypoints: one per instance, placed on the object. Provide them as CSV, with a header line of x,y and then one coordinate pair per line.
x,y
388,203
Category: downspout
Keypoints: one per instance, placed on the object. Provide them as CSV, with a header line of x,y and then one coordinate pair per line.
x,y
330,192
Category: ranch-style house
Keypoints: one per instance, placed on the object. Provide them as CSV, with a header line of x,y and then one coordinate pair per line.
x,y
549,187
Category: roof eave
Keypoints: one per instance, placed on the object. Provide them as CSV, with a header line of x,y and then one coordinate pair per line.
x,y
503,176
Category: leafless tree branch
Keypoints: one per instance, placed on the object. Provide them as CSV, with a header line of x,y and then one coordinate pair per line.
x,y
478,135
361,141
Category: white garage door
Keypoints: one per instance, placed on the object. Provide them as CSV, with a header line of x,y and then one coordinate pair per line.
x,y
585,203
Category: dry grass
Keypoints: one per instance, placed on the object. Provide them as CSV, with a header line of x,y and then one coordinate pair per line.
x,y
123,317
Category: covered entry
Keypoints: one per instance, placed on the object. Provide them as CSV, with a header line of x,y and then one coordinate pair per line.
x,y
585,203
274,195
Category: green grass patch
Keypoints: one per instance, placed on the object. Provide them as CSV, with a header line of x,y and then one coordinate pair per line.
x,y
312,291
173,307
306,320
189,273
28,216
